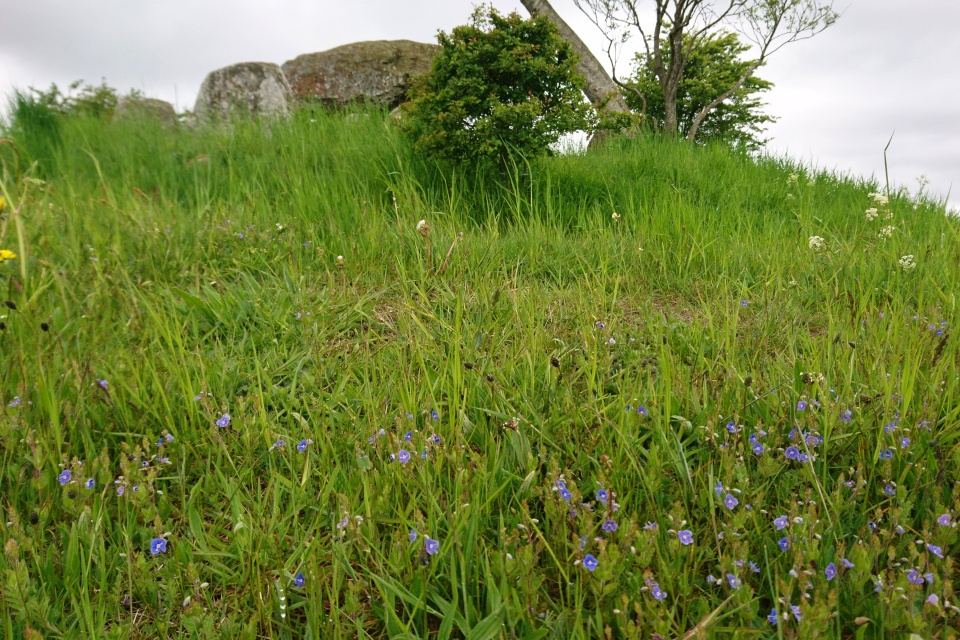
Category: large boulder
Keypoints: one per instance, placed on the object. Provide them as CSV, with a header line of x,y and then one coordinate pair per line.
x,y
244,90
134,107
377,72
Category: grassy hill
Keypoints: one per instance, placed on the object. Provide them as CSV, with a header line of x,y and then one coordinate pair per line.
x,y
622,393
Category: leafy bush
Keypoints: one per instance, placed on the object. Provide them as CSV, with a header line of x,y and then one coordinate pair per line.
x,y
501,85
714,66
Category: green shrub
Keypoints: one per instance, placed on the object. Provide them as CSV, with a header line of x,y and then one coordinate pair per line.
x,y
500,86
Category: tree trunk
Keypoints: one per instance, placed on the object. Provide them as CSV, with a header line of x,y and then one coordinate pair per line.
x,y
598,86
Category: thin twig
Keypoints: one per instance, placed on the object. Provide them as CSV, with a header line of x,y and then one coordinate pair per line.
x,y
459,235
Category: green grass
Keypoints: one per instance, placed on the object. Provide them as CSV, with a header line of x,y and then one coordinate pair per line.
x,y
130,254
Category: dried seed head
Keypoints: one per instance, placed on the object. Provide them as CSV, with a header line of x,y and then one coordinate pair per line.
x,y
747,381
10,305
806,378
423,228
489,377
555,362
34,517
45,326
468,365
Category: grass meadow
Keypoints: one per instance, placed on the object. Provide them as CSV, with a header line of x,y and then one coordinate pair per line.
x,y
652,391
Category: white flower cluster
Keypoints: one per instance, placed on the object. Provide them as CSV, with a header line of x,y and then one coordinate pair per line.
x,y
817,243
871,214
793,179
879,200
886,232
907,262
615,216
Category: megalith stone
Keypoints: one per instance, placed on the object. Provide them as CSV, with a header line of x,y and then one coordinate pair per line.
x,y
377,72
131,107
243,90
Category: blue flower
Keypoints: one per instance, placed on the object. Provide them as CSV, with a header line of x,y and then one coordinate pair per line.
x,y
802,458
407,436
120,490
733,580
772,618
101,383
658,593
732,427
424,454
64,476
792,453
781,522
609,526
730,501
719,488
757,449
872,525
650,526
796,612
886,454
403,456
435,439
642,411
435,415
830,571
846,416
904,443
224,420
846,563
711,579
890,490
944,520
685,536
15,402
299,580
914,577
935,550
590,563
432,546
801,405
90,484
783,543
302,446
602,496
158,545
413,536
754,567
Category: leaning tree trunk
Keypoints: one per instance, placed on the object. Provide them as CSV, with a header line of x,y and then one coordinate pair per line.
x,y
597,84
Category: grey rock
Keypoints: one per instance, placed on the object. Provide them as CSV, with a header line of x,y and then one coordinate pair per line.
x,y
377,72
243,90
130,107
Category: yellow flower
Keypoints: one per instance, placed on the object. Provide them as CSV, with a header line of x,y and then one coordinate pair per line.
x,y
2,203
6,254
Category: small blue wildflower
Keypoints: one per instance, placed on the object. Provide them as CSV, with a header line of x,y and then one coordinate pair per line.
x,y
846,563
890,490
914,577
792,453
590,563
403,456
732,427
583,542
757,449
302,445
224,420
609,526
711,579
744,303
781,522
730,501
89,484
932,599
407,436
772,618
935,550
158,545
168,438
435,439
15,402
64,476
656,591
435,415
733,580
685,536
602,496
432,546
801,405
120,490
830,571
754,567
642,411
423,455
650,526
886,454
796,612
413,536
783,543
872,525
846,416
944,520
802,458
101,383
719,488
299,580
904,443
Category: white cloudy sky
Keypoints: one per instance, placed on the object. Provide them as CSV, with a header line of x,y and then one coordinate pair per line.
x,y
888,65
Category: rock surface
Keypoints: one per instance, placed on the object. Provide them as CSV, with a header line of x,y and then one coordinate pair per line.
x,y
378,72
129,107
243,90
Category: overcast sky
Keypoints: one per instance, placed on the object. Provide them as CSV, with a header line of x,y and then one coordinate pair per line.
x,y
887,65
